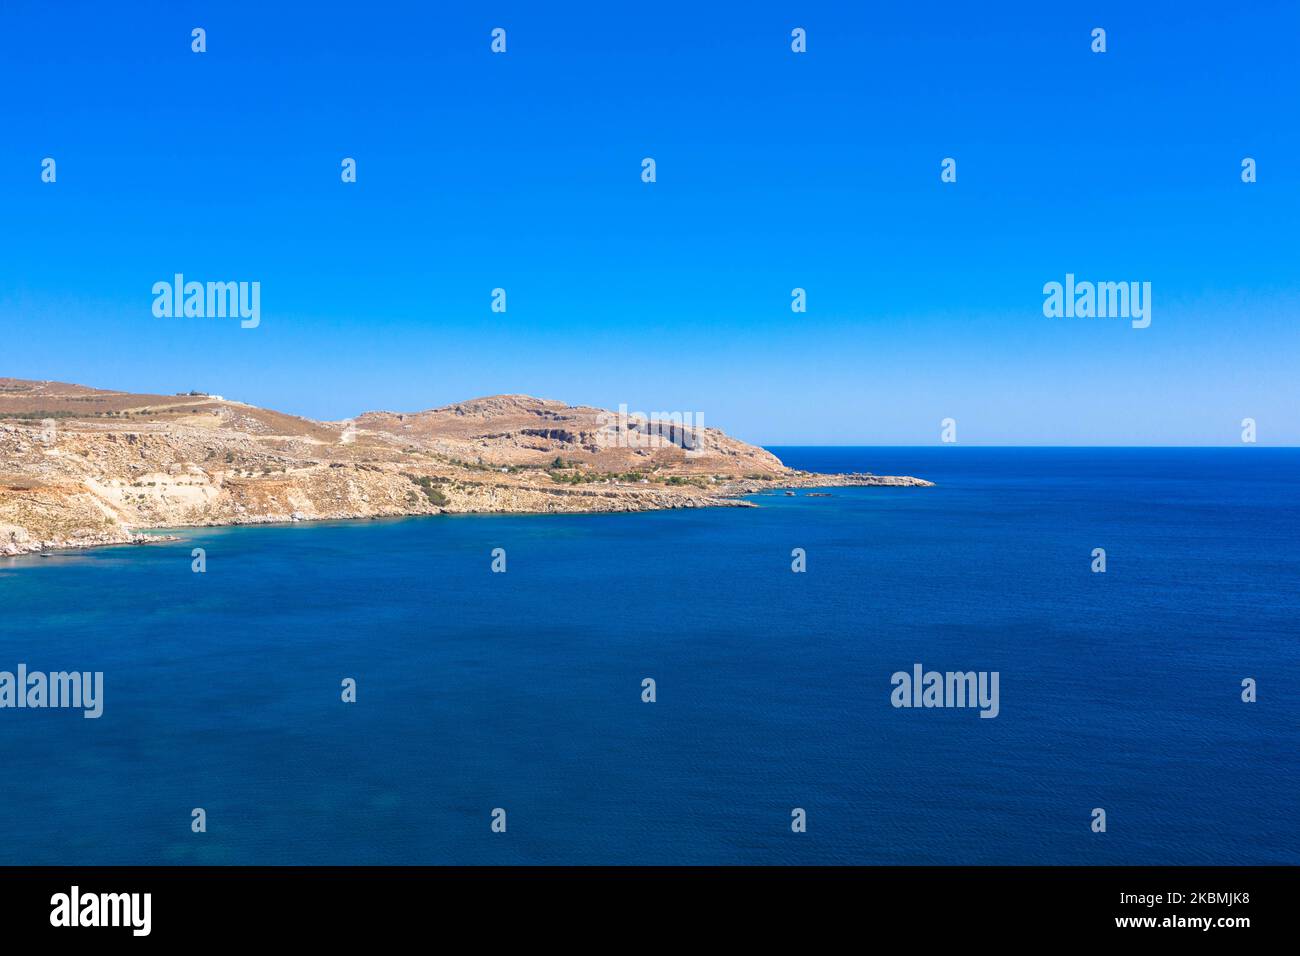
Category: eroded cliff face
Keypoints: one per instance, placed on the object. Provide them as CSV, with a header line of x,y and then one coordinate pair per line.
x,y
81,467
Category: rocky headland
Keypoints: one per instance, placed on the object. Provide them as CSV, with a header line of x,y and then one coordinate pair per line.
x,y
84,467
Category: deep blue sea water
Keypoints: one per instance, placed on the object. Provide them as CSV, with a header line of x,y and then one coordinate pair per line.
x,y
523,690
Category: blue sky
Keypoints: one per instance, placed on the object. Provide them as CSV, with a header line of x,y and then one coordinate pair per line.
x,y
775,171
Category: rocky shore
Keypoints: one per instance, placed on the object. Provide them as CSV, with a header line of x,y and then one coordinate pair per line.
x,y
83,467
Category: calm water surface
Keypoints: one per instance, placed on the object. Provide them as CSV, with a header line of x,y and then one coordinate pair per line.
x,y
522,690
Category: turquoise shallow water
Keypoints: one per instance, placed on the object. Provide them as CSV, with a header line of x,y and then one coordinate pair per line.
x,y
522,690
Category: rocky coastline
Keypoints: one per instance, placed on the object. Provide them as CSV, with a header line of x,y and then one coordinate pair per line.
x,y
83,468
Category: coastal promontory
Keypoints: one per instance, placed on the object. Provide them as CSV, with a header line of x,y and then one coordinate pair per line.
x,y
81,466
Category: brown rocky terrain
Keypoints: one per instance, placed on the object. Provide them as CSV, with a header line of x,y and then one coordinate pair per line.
x,y
81,467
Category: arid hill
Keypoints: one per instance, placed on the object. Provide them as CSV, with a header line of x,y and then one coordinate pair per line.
x,y
81,467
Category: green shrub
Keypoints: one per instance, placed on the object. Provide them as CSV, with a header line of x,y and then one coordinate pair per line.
x,y
431,490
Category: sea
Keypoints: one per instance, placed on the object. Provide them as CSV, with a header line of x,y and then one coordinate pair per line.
x,y
502,717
